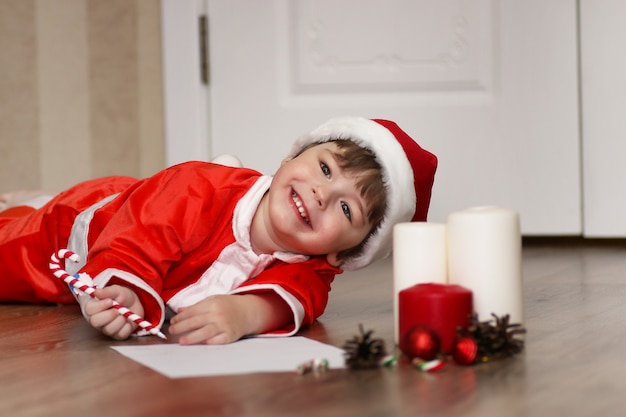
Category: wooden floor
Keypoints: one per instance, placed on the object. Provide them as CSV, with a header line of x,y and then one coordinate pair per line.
x,y
574,364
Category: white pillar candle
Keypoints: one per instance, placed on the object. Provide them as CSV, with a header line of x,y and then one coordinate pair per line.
x,y
419,257
485,256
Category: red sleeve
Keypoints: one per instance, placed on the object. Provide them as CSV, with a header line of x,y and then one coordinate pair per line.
x,y
148,228
308,282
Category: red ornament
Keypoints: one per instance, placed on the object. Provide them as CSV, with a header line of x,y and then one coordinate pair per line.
x,y
465,350
421,342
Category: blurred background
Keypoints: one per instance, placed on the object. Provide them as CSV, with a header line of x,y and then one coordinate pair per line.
x,y
522,101
81,91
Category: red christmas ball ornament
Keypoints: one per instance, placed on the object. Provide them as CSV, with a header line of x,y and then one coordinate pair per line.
x,y
421,342
465,350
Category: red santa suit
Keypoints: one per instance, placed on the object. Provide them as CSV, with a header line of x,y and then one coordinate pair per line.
x,y
175,238
184,234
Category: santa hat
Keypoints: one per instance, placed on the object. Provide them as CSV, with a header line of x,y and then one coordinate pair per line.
x,y
408,173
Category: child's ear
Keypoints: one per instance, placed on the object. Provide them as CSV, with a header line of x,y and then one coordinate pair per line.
x,y
332,259
283,162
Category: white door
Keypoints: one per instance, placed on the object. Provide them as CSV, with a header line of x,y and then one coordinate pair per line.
x,y
489,86
603,64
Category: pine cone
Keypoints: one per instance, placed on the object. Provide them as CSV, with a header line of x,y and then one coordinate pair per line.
x,y
494,341
363,351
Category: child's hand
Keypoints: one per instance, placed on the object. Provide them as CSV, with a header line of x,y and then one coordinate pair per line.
x,y
222,319
104,317
215,320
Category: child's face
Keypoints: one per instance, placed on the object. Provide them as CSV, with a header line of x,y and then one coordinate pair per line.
x,y
314,208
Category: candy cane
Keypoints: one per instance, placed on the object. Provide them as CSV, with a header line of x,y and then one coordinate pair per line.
x,y
318,365
55,267
428,366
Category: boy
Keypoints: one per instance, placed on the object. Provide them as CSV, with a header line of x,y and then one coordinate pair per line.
x,y
231,252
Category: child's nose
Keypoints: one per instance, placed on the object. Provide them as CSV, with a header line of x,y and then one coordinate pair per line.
x,y
321,195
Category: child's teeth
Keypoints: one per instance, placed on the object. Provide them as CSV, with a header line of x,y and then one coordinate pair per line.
x,y
298,204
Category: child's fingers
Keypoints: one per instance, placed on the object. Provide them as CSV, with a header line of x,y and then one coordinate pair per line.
x,y
113,292
201,329
180,324
208,334
186,313
214,320
210,306
112,324
119,328
102,318
195,328
94,306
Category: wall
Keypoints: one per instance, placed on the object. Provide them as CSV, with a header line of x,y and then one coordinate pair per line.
x,y
80,91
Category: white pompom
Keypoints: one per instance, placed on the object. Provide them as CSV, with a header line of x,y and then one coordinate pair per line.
x,y
227,160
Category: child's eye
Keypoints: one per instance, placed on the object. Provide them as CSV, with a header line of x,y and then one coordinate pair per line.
x,y
325,169
346,210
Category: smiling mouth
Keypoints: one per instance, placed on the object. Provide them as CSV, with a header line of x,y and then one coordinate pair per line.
x,y
300,207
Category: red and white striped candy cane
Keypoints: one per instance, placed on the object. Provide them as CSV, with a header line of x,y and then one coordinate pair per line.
x,y
59,272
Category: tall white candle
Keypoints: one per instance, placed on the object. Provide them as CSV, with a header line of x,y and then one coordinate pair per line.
x,y
419,256
485,256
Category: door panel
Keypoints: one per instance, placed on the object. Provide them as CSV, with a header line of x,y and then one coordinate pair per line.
x,y
488,86
603,64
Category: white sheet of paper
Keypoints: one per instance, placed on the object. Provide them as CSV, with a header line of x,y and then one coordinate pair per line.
x,y
282,354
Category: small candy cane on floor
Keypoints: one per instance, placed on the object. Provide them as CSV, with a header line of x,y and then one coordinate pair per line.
x,y
73,281
314,365
388,361
428,366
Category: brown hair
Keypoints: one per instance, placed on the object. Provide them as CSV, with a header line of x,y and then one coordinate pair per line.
x,y
361,163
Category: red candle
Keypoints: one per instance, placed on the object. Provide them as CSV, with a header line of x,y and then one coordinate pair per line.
x,y
441,307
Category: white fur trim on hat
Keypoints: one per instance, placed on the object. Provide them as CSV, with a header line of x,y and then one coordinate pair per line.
x,y
397,176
